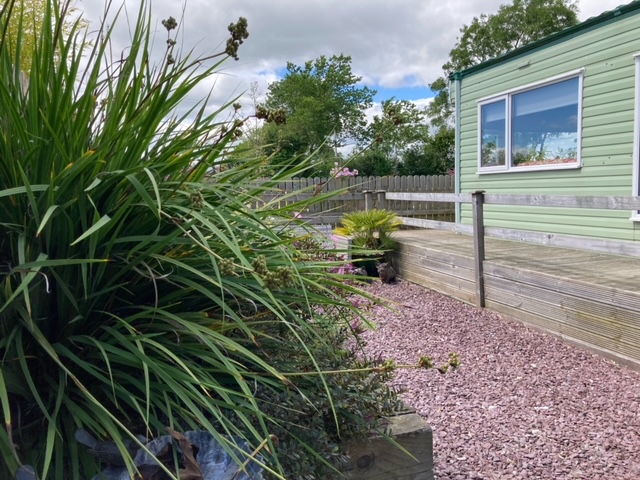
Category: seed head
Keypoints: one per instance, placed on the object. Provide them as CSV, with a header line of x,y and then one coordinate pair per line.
x,y
170,24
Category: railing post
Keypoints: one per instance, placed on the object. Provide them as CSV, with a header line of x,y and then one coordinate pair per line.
x,y
368,200
381,198
478,244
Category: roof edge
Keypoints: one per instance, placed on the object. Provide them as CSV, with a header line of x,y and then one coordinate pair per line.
x,y
614,14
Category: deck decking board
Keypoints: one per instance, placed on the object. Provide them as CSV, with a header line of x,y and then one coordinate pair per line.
x,y
438,256
447,268
564,302
587,298
437,284
612,293
613,334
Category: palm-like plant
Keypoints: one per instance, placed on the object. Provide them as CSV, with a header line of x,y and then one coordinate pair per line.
x,y
135,280
370,230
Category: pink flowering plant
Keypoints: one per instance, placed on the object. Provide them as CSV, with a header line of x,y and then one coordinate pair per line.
x,y
338,171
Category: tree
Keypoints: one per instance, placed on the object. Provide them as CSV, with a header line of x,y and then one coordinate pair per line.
x,y
489,36
432,157
372,163
322,105
401,125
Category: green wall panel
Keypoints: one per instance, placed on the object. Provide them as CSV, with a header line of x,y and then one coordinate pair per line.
x,y
606,53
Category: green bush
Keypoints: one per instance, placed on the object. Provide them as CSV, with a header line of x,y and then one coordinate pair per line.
x,y
371,229
312,420
137,284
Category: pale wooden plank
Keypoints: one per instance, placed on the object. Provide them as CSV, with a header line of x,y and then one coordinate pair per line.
x,y
409,187
613,322
297,197
379,459
439,188
398,194
421,222
453,291
566,201
422,210
437,239
397,185
595,288
441,256
561,241
542,324
567,241
539,321
406,268
431,264
378,188
596,330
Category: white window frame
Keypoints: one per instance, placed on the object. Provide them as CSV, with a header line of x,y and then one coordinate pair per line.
x,y
507,95
635,215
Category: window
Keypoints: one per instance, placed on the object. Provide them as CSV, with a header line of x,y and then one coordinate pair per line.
x,y
536,127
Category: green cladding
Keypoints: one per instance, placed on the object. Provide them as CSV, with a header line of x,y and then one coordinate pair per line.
x,y
602,53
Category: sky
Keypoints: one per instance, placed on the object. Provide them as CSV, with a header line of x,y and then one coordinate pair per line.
x,y
398,47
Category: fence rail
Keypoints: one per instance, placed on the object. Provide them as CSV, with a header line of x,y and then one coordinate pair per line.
x,y
362,193
480,231
565,201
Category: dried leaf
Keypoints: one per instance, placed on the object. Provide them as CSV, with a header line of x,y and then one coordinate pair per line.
x,y
191,470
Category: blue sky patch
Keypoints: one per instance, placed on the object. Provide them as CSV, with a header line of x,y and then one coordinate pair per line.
x,y
408,93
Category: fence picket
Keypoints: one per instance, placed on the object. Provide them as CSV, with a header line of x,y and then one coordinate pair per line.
x,y
351,197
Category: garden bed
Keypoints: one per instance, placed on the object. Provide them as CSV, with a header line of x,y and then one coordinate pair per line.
x,y
523,405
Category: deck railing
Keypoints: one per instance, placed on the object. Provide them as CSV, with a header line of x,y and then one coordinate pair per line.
x,y
480,231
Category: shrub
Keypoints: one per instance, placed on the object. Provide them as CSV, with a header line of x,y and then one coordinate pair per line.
x,y
137,284
370,229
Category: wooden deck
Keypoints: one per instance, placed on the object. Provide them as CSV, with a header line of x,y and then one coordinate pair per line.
x,y
589,299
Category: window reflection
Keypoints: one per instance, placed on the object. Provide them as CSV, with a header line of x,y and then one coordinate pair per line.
x,y
544,125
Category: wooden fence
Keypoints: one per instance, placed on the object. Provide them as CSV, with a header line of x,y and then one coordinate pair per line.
x,y
360,193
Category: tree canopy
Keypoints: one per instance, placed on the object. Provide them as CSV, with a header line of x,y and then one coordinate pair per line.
x,y
322,103
401,127
401,124
490,36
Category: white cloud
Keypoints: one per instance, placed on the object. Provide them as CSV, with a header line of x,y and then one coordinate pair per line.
x,y
392,43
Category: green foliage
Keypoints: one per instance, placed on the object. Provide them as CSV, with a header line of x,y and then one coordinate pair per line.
x,y
284,148
359,396
433,157
322,104
370,229
373,163
440,109
514,25
136,283
384,141
401,125
489,36
24,26
428,154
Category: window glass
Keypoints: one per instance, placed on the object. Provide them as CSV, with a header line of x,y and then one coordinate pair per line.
x,y
544,125
492,134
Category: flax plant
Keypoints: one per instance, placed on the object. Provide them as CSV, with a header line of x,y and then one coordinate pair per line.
x,y
137,274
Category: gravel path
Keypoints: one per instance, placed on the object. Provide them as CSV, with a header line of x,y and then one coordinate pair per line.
x,y
523,405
